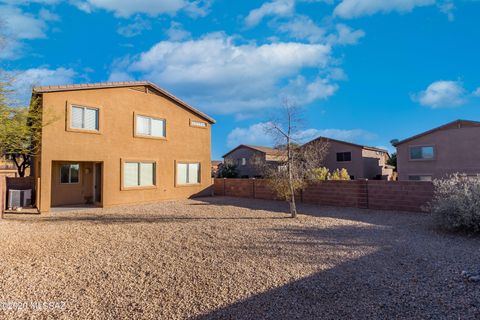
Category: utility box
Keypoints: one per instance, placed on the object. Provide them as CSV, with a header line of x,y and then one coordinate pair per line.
x,y
19,198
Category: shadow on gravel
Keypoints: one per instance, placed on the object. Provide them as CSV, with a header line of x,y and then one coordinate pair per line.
x,y
395,281
376,217
133,218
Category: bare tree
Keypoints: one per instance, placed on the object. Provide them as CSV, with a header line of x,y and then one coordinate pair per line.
x,y
296,161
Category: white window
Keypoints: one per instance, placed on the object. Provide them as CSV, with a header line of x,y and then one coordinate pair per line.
x,y
138,174
69,173
200,124
84,118
188,173
422,153
244,162
148,126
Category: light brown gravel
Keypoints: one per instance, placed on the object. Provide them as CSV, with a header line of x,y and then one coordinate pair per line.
x,y
227,258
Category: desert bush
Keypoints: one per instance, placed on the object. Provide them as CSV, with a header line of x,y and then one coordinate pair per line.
x,y
319,174
339,175
322,174
456,202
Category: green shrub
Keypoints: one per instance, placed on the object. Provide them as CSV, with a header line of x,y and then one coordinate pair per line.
x,y
228,170
456,202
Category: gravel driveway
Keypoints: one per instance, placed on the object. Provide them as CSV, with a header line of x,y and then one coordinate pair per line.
x,y
227,258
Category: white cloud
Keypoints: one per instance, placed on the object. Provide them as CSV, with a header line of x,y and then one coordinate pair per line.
x,y
346,35
441,94
216,74
126,8
354,135
302,27
476,93
177,33
274,8
135,28
23,81
356,8
256,135
447,8
21,25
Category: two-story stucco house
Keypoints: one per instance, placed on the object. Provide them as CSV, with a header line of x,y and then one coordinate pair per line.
x,y
119,143
361,162
251,160
451,148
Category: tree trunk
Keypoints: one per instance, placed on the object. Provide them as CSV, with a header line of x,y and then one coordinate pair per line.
x,y
293,206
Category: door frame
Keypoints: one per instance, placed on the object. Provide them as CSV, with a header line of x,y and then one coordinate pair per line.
x,y
94,182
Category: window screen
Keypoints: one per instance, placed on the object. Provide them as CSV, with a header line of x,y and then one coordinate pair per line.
x,y
84,118
147,126
138,174
188,173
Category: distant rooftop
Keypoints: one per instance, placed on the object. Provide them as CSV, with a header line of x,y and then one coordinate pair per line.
x,y
121,84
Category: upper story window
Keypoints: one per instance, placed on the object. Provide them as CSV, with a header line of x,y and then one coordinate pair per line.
x,y
344,156
84,118
149,127
244,161
422,153
200,124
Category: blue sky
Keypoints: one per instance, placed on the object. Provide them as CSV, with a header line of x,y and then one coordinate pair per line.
x,y
366,71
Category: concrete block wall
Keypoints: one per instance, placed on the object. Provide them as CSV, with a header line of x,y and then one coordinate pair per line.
x,y
382,195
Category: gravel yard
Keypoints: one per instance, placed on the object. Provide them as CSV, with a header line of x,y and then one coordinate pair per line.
x,y
227,258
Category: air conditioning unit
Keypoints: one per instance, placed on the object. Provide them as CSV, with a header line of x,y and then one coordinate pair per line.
x,y
19,198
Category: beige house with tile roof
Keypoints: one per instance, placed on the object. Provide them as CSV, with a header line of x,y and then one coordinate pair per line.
x,y
119,143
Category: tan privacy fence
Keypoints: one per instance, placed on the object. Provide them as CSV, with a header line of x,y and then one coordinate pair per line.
x,y
366,194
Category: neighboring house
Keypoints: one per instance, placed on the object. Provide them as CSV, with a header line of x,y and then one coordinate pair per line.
x,y
451,148
119,143
216,165
252,160
9,169
361,162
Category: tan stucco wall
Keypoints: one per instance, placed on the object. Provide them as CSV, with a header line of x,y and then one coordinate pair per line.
x,y
456,150
77,193
117,141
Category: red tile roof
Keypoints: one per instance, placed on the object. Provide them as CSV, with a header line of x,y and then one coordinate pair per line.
x,y
104,85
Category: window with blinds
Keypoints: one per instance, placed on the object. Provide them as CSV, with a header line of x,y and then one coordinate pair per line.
x,y
138,174
188,173
148,126
84,118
